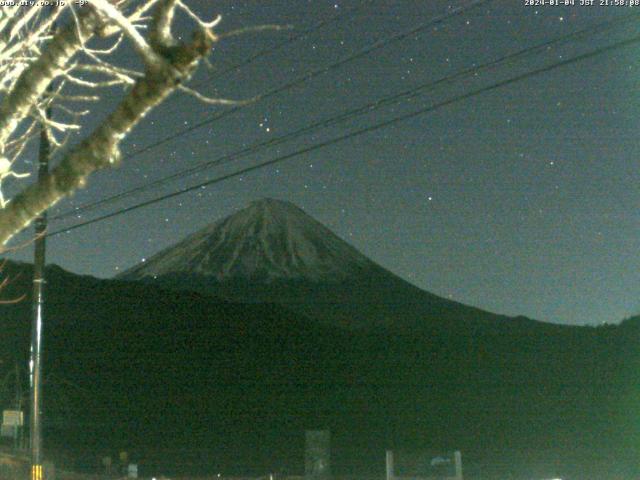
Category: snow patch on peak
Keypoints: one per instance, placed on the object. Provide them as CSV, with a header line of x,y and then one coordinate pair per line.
x,y
266,241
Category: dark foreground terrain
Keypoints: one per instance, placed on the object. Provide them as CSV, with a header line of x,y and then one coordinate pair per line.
x,y
192,384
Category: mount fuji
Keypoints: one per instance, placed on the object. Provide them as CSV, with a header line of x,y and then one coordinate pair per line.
x,y
268,241
272,251
217,353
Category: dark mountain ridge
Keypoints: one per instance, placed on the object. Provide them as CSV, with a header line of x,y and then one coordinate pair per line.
x,y
189,382
273,252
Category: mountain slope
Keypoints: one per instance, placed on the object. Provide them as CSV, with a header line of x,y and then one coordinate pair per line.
x,y
272,251
267,241
190,384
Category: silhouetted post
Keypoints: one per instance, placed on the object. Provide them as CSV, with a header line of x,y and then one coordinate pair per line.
x,y
389,464
457,457
317,458
17,441
35,362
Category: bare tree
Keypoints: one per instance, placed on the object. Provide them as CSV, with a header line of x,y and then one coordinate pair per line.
x,y
41,69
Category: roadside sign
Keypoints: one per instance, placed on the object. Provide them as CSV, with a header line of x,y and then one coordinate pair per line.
x,y
12,418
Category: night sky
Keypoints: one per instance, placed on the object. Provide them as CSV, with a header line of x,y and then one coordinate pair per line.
x,y
521,200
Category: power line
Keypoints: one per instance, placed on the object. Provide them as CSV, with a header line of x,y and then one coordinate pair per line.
x,y
314,73
359,132
268,51
349,114
284,43
238,65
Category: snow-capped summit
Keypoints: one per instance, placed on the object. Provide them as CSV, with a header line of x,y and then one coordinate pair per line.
x,y
272,251
268,240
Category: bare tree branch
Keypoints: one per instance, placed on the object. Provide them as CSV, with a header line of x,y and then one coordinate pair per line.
x,y
35,79
150,57
168,64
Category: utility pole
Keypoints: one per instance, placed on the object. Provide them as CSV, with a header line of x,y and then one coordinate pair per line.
x,y
35,362
39,260
19,433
